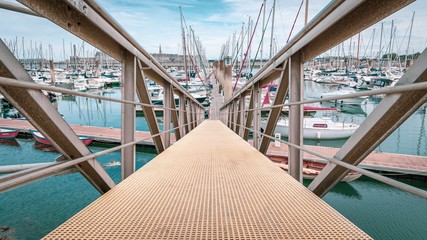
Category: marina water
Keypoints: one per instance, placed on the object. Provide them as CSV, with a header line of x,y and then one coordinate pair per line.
x,y
33,210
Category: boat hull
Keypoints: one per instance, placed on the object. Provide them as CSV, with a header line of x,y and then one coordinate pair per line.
x,y
41,139
8,133
319,134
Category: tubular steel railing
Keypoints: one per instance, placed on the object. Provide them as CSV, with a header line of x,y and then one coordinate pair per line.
x,y
402,186
17,179
230,116
90,22
14,180
333,25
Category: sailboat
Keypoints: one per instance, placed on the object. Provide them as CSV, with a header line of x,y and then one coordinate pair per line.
x,y
42,139
318,128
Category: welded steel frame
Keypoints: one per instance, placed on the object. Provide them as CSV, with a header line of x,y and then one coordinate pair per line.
x,y
238,116
273,116
88,21
331,26
150,116
167,118
296,94
242,115
256,95
128,114
38,110
174,116
391,112
249,115
188,127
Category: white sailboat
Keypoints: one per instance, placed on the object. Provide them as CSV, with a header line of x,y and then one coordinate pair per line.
x,y
318,128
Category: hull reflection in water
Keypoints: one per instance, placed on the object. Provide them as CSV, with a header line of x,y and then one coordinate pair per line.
x,y
9,142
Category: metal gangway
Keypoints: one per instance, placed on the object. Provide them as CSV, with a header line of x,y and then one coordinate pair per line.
x,y
211,183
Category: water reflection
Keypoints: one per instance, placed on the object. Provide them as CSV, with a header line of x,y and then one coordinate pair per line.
x,y
9,142
44,147
347,190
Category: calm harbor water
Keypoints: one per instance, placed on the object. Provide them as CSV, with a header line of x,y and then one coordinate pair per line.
x,y
35,209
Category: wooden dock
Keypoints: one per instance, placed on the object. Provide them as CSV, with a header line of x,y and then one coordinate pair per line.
x,y
389,162
378,161
100,134
209,185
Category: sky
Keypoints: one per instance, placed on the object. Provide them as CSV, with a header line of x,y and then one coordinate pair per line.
x,y
157,22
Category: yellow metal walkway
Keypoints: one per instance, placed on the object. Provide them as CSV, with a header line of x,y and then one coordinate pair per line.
x,y
209,185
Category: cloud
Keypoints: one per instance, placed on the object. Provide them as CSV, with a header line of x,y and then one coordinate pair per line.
x,y
157,22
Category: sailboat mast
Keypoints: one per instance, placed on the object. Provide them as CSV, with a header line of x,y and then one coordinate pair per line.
x,y
241,44
306,12
248,66
390,44
263,31
381,41
272,29
184,45
358,51
409,40
372,43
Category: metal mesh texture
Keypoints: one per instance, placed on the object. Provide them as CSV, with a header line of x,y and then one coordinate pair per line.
x,y
209,185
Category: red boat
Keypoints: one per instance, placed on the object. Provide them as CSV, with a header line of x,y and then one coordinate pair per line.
x,y
8,133
41,139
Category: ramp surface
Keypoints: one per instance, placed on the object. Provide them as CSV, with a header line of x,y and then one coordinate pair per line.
x,y
209,185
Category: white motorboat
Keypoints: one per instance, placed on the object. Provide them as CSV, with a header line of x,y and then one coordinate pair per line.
x,y
318,128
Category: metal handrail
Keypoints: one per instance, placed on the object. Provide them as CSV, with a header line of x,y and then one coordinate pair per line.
x,y
24,84
60,166
389,90
378,177
127,41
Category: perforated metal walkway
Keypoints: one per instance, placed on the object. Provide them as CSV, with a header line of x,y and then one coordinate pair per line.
x,y
209,185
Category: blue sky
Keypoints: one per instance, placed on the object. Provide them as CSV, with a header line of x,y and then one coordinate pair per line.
x,y
157,22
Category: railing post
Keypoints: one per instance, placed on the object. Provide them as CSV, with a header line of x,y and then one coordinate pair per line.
x,y
228,88
256,95
296,94
229,110
202,114
186,116
233,115
242,114
174,116
182,114
194,114
190,106
249,116
128,115
238,116
167,103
